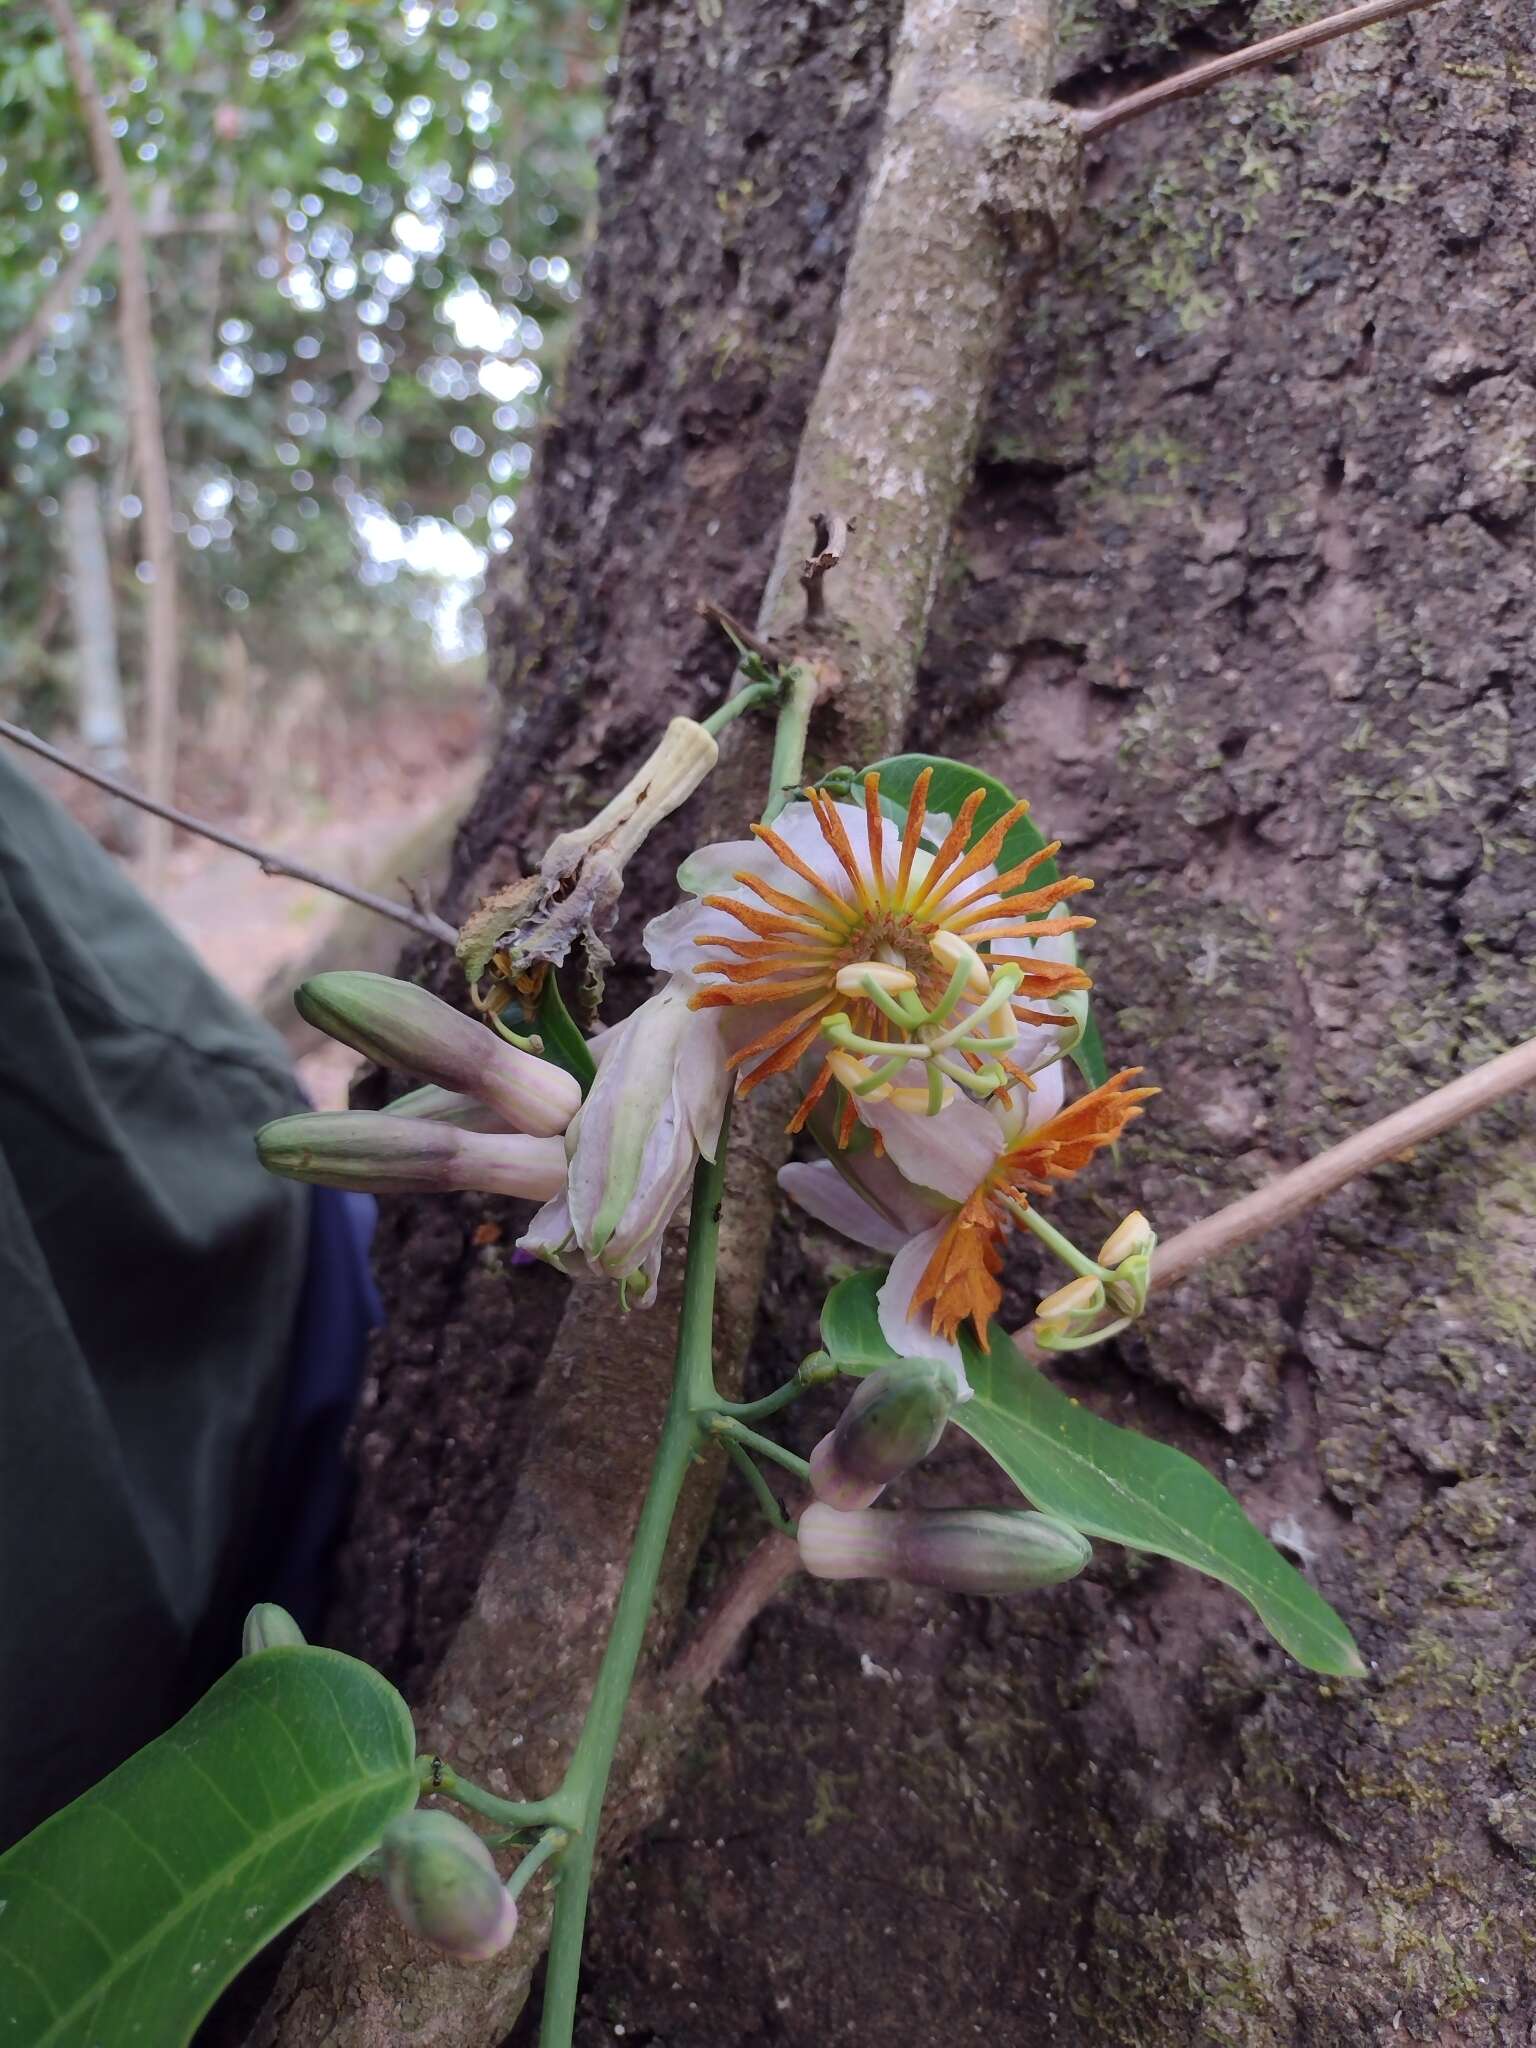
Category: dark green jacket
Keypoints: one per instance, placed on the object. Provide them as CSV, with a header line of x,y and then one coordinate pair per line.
x,y
148,1276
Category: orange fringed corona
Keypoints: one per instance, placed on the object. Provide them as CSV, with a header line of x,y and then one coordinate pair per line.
x,y
960,1283
858,912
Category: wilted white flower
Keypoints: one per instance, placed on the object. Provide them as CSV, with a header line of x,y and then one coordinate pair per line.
x,y
654,1108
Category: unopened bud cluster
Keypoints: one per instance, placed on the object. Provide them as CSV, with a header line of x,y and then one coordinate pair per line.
x,y
895,1419
489,1115
1097,1304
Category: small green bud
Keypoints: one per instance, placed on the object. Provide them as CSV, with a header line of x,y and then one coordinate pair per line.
x,y
406,1155
893,1421
966,1550
269,1628
443,1884
1072,1309
1128,1249
397,1024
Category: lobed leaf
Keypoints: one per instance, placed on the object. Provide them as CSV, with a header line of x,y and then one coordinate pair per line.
x,y
124,1916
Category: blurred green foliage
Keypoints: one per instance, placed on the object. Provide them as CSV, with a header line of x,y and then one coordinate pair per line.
x,y
365,223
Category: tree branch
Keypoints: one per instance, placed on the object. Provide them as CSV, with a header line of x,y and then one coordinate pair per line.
x,y
82,259
57,299
419,921
1096,121
136,336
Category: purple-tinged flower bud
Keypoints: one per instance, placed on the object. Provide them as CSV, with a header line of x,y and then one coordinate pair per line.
x,y
400,1155
397,1024
269,1628
443,1883
894,1420
966,1550
442,1106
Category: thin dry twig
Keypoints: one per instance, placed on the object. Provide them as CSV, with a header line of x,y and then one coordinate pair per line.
x,y
742,634
829,543
1095,121
1281,1200
153,472
422,922
770,1566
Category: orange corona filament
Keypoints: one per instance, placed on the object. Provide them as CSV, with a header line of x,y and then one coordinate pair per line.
x,y
799,931
960,1280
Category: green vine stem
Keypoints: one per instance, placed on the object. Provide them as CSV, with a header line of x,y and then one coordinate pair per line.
x,y
732,1431
745,699
693,1395
789,738
771,1511
516,1815
691,1410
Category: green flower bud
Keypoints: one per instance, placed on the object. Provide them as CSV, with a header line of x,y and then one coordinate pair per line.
x,y
397,1024
400,1155
1071,1310
966,1550
443,1883
269,1628
1128,1249
894,1420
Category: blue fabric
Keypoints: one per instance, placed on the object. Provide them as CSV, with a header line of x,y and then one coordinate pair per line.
x,y
308,1487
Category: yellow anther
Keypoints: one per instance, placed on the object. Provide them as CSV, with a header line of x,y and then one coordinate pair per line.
x,y
1081,1297
917,1098
950,951
853,1074
1134,1235
894,980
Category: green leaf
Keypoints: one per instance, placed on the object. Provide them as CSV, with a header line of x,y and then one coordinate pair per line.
x,y
1107,1481
952,783
1088,1055
123,1917
564,1045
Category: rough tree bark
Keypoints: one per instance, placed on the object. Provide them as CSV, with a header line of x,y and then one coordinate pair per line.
x,y
1239,598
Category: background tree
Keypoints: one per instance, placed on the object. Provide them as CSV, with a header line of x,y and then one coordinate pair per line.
x,y
362,226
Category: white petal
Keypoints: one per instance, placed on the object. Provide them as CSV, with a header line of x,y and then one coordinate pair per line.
x,y
710,870
1050,1093
820,1190
913,1335
952,1152
702,1080
550,1231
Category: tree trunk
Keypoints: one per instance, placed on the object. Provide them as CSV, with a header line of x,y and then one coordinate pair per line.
x,y
99,714
1239,599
